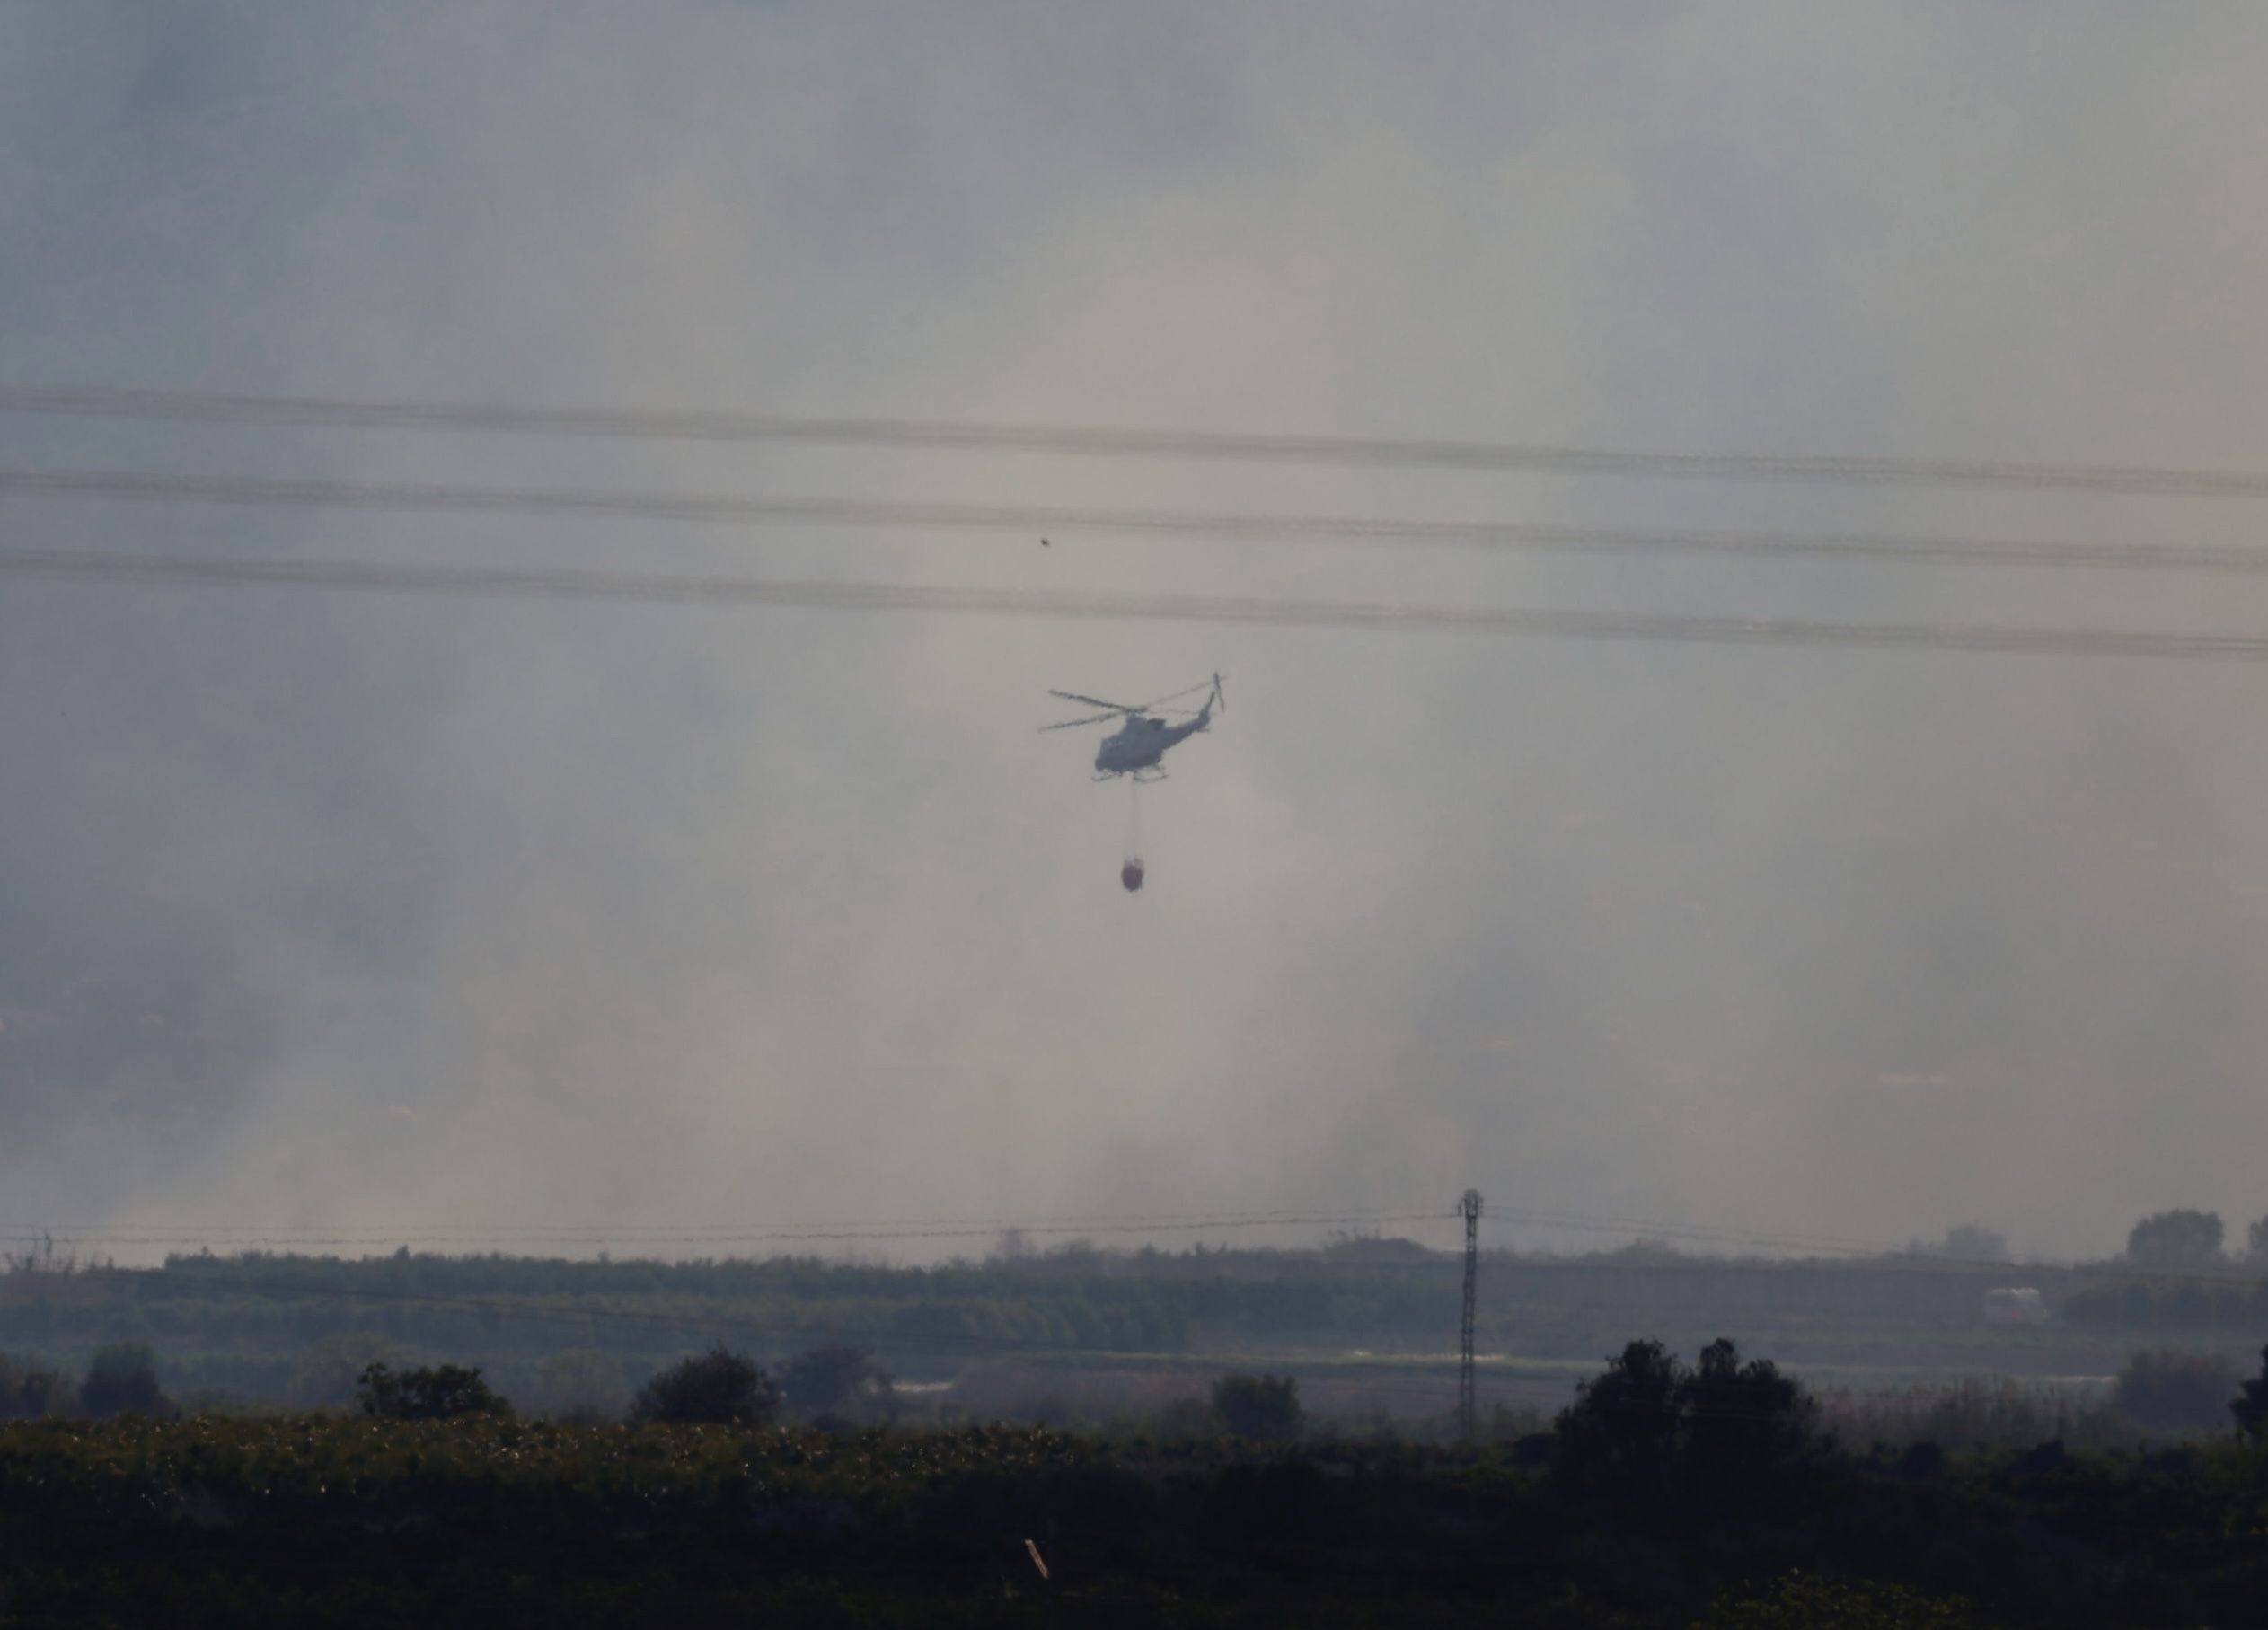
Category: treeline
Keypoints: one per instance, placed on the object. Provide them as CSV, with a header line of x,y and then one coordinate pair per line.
x,y
2180,1304
262,1309
299,1328
2185,1239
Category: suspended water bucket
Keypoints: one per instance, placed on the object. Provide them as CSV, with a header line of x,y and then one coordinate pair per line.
x,y
1130,874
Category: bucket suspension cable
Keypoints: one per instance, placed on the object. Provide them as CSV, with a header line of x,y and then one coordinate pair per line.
x,y
1130,872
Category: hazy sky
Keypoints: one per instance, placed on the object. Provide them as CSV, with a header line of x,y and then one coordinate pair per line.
x,y
375,912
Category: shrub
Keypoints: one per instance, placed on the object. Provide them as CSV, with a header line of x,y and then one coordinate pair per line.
x,y
2175,1391
834,1378
122,1379
2250,1405
330,1370
1800,1602
1265,1409
29,1388
582,1383
1185,1419
427,1395
719,1387
1978,1413
1503,1423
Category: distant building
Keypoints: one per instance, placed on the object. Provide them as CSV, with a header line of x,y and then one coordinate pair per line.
x,y
2015,1307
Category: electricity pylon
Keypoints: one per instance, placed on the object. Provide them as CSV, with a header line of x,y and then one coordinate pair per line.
x,y
1471,1209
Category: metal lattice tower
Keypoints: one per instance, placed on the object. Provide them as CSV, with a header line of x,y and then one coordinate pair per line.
x,y
1470,1207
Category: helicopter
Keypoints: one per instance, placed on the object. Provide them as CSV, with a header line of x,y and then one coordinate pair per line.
x,y
1136,747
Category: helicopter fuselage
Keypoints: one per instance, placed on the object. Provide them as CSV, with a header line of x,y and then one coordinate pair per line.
x,y
1143,742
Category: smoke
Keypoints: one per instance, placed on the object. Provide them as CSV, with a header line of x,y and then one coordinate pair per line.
x,y
372,912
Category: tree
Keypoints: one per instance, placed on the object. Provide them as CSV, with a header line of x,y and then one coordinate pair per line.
x,y
2256,1240
329,1370
719,1387
2175,1391
1973,1242
2176,1239
1741,1421
583,1384
122,1379
1620,1434
833,1378
2250,1405
1263,1408
1650,1424
31,1388
433,1394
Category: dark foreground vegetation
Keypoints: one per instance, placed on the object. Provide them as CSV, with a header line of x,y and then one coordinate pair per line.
x,y
1669,1494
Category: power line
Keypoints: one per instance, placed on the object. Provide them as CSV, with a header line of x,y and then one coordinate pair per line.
x,y
163,1232
1098,442
1468,1206
1026,521
548,582
850,1235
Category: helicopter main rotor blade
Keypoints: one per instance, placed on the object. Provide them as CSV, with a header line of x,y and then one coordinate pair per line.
x,y
1073,724
1093,701
1176,696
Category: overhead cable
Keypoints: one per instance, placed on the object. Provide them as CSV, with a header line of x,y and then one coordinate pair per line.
x,y
552,583
1054,521
733,1229
1100,442
845,1234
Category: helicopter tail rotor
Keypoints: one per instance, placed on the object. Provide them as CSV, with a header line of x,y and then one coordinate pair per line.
x,y
1215,699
